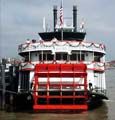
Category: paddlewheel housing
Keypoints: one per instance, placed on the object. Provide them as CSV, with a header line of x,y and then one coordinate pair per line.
x,y
58,94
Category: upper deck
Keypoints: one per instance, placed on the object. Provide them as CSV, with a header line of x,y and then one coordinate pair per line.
x,y
60,46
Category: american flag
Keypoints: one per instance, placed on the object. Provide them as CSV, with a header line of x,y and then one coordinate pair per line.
x,y
61,16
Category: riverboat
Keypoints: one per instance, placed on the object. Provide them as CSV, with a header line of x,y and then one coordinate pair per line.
x,y
62,70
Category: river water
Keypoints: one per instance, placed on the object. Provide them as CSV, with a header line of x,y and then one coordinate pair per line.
x,y
104,112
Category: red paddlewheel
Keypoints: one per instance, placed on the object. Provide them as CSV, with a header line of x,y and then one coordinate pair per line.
x,y
60,99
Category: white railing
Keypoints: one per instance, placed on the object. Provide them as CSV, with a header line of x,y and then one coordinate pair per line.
x,y
90,65
61,46
96,65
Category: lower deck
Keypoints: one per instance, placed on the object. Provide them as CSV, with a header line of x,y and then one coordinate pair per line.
x,y
60,86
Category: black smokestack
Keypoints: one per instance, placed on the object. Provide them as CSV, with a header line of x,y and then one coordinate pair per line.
x,y
75,18
55,16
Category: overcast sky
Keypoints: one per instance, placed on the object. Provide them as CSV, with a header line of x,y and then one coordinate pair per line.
x,y
22,19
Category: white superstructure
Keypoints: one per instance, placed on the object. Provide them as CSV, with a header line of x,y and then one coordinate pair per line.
x,y
55,51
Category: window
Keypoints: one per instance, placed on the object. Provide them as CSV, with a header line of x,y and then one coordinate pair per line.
x,y
73,57
61,56
65,56
77,56
58,56
26,58
44,57
97,57
40,57
82,57
50,57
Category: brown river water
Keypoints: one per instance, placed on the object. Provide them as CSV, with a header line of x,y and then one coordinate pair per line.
x,y
104,112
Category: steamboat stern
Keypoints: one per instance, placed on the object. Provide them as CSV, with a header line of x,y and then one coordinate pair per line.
x,y
62,71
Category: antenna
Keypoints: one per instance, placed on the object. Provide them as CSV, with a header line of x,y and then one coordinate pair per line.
x,y
44,24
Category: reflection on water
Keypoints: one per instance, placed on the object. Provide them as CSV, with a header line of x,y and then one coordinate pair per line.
x,y
100,113
104,112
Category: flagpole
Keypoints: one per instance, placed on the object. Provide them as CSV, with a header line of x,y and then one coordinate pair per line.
x,y
61,19
62,34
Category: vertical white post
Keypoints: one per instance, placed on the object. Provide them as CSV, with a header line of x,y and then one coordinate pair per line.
x,y
80,55
19,83
42,55
61,34
93,56
29,56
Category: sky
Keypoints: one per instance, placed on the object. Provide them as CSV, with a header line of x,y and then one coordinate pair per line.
x,y
22,19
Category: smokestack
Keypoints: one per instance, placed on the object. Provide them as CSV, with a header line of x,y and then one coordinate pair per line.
x,y
75,18
55,17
